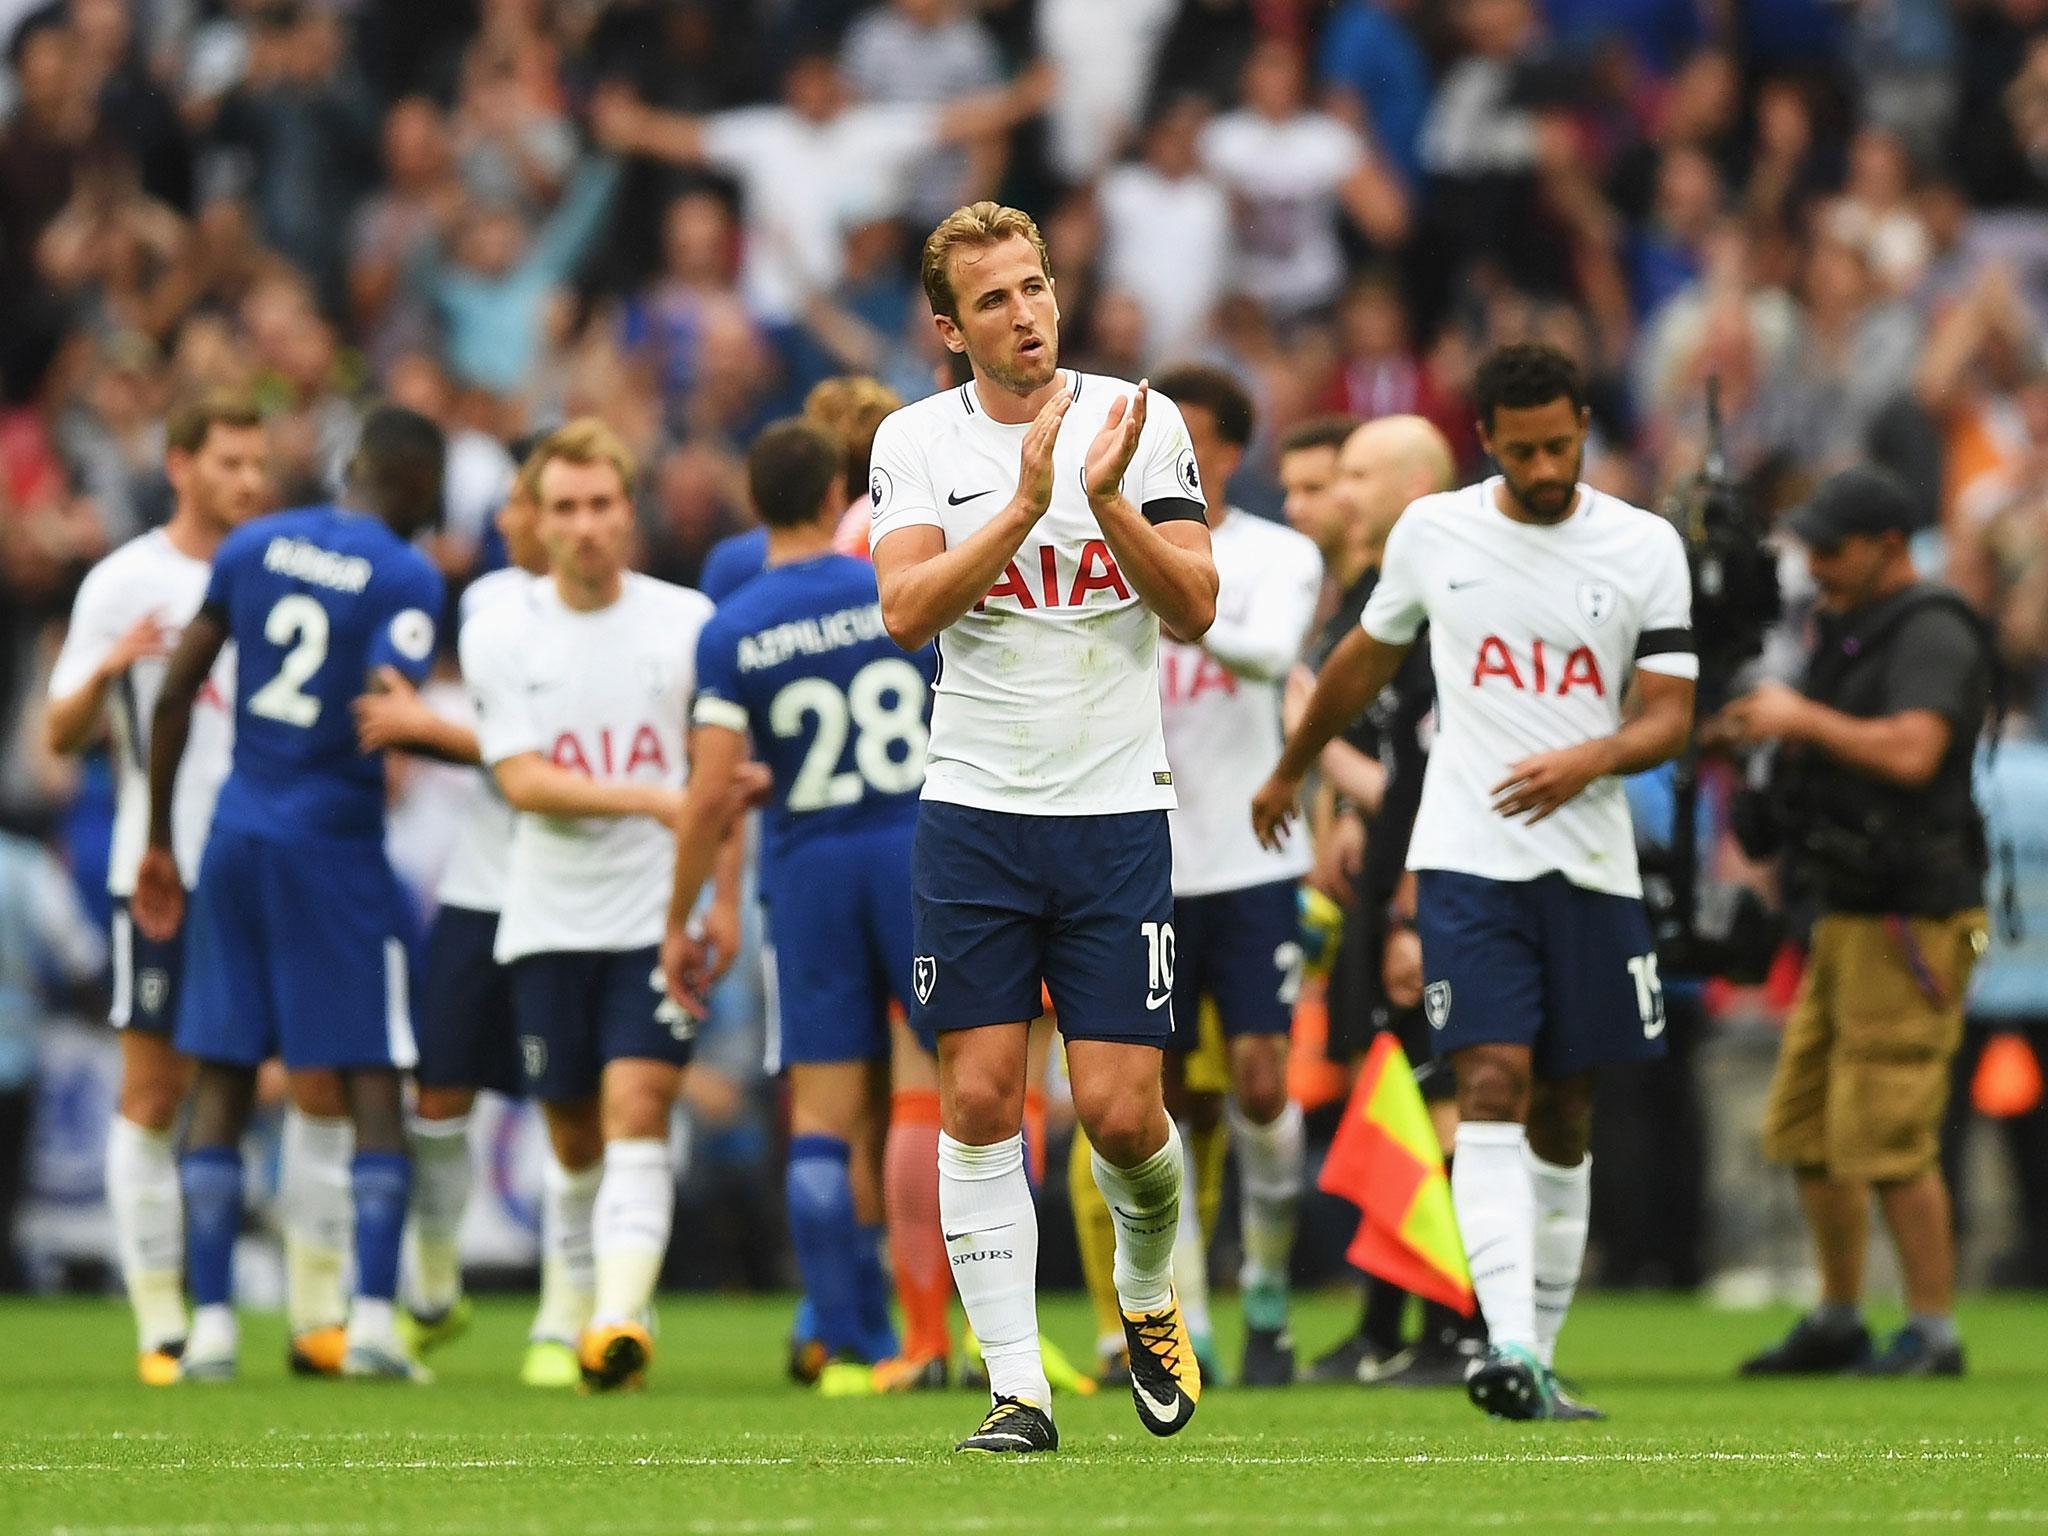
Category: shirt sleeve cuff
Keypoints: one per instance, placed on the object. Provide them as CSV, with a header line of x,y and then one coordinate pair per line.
x,y
720,712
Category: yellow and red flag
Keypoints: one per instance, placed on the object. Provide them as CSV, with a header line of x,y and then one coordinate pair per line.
x,y
1385,1160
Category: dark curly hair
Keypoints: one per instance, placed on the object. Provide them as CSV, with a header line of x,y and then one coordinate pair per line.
x,y
1525,374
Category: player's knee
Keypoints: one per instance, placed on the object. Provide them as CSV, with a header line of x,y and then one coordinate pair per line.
x,y
221,1097
376,1108
1260,1073
319,1094
152,1102
1561,1127
575,1134
1491,1089
1124,1127
444,1103
981,1109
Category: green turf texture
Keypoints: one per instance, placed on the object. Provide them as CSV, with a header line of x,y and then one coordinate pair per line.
x,y
721,1445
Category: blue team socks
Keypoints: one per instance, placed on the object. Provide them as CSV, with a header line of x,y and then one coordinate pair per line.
x,y
381,1181
211,1178
827,1239
877,1326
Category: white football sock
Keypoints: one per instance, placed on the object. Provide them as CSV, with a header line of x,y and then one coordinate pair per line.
x,y
148,1211
1144,1202
441,1176
317,1190
215,1334
1272,1162
568,1266
1564,1197
1190,1253
991,1232
373,1321
1496,1207
636,1204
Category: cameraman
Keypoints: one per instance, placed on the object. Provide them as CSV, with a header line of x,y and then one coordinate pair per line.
x,y
1870,799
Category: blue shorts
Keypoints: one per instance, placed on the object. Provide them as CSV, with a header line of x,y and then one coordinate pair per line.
x,y
1568,972
840,945
1242,950
466,1037
299,950
1083,904
147,975
580,1010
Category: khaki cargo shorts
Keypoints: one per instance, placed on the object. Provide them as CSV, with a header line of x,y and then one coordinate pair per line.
x,y
1863,1071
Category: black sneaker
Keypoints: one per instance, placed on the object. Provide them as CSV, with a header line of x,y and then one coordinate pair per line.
x,y
1564,1406
1013,1427
1510,1384
1813,1349
1166,1379
1357,1359
1435,1364
1909,1353
1268,1358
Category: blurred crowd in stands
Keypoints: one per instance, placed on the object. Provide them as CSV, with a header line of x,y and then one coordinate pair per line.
x,y
681,214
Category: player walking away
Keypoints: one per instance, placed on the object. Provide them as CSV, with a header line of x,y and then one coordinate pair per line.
x,y
581,688
127,617
1385,466
800,660
467,1040
1042,852
1236,917
297,946
1545,600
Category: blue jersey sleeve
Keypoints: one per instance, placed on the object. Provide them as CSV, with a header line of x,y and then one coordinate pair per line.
x,y
718,679
405,634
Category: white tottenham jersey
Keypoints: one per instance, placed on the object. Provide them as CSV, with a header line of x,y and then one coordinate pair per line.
x,y
1533,635
480,856
1047,701
606,695
1220,703
148,575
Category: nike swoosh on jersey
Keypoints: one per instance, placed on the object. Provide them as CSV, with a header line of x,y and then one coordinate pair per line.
x,y
955,499
1469,581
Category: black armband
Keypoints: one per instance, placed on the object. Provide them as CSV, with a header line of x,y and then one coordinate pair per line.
x,y
1174,509
1664,642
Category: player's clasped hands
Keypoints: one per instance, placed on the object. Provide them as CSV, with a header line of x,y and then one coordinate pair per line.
x,y
391,714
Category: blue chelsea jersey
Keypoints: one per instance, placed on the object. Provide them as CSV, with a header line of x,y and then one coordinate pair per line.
x,y
799,660
316,600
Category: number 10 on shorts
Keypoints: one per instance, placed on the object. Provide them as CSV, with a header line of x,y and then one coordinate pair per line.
x,y
1649,994
1158,962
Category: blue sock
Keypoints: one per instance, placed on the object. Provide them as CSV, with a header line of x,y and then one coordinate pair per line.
x,y
826,1236
804,1326
877,1326
211,1178
382,1181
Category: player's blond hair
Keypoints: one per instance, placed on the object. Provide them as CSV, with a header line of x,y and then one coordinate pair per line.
x,y
585,440
851,408
973,228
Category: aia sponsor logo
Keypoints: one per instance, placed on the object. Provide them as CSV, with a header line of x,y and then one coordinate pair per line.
x,y
605,754
1542,669
1185,674
1046,581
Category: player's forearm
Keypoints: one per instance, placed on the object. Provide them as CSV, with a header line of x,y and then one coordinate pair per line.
x,y
729,874
168,729
69,723
446,740
542,789
922,599
1262,647
1351,678
1176,583
1353,774
699,850
1647,741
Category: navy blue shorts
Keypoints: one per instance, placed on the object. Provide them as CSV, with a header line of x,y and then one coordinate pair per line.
x,y
1242,950
1568,972
297,949
147,976
466,1035
839,931
1083,904
578,1011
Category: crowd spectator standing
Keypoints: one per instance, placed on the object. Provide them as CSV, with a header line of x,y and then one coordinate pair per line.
x,y
681,214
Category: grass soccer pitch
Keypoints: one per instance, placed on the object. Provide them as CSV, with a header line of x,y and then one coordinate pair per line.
x,y
721,1445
